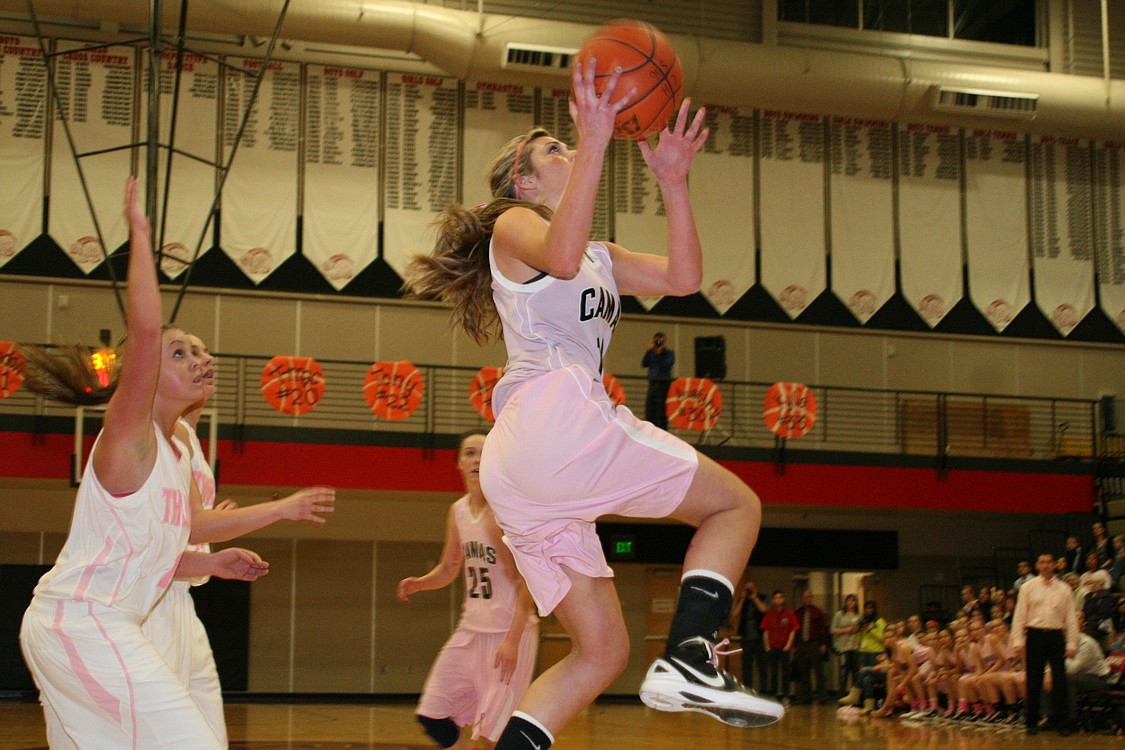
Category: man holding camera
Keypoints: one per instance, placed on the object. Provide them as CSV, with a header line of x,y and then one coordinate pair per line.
x,y
659,360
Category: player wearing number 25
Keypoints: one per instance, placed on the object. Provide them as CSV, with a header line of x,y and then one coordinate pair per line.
x,y
486,665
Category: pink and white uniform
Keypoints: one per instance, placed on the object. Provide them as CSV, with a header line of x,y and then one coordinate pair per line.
x,y
102,683
463,684
174,628
562,453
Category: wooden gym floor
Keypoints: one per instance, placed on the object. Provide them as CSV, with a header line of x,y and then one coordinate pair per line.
x,y
610,726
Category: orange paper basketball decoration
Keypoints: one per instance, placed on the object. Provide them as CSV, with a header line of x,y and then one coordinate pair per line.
x,y
790,409
693,404
613,389
293,385
480,391
13,369
648,63
393,389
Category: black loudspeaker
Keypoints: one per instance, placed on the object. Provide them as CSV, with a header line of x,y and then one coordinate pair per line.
x,y
710,357
1109,414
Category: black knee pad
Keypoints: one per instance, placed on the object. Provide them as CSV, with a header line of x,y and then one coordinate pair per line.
x,y
444,731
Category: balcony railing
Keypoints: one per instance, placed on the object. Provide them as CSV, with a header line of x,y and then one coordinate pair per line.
x,y
864,420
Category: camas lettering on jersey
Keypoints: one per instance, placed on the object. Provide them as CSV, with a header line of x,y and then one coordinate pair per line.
x,y
479,551
598,302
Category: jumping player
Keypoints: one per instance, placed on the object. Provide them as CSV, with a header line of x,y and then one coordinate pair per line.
x,y
561,453
102,683
486,665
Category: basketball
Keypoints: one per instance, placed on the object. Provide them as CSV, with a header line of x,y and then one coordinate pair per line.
x,y
648,63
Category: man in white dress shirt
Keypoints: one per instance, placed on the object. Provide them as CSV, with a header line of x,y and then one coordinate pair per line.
x,y
1045,630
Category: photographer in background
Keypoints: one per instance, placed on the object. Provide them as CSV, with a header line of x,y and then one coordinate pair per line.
x,y
659,360
747,615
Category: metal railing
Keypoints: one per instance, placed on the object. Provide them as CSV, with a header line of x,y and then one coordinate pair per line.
x,y
867,420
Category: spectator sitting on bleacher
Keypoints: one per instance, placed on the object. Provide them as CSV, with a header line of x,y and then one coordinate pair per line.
x,y
1101,545
1079,592
1117,568
1074,561
1023,574
1086,671
969,602
1117,642
1099,607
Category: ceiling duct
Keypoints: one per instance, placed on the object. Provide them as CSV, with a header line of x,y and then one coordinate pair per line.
x,y
471,45
537,57
981,102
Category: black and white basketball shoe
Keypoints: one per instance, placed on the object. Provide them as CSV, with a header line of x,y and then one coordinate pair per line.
x,y
688,678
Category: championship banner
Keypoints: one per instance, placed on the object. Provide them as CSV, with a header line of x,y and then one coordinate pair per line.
x,y
259,217
420,178
693,404
97,92
792,208
1109,217
554,115
638,219
495,113
341,159
996,224
929,218
722,199
293,385
861,190
1062,228
193,183
393,390
23,117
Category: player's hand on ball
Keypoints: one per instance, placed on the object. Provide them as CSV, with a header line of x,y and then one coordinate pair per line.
x,y
678,143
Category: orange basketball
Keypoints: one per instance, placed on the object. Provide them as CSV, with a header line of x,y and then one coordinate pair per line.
x,y
293,385
648,63
393,389
480,391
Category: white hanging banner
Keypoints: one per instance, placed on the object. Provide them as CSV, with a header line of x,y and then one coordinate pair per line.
x,y
259,216
341,158
792,208
929,218
1062,228
23,116
1109,179
421,162
861,184
996,223
97,91
193,181
495,113
722,198
554,115
639,221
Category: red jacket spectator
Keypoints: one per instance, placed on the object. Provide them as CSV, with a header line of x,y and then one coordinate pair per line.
x,y
778,623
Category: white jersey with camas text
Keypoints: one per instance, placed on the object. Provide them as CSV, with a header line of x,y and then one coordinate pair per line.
x,y
491,584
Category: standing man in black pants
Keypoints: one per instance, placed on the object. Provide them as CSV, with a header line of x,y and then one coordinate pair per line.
x,y
659,360
747,613
1045,630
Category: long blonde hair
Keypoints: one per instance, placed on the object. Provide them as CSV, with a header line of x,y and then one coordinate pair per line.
x,y
457,271
66,374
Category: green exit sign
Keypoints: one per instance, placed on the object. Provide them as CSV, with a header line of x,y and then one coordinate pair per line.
x,y
623,547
